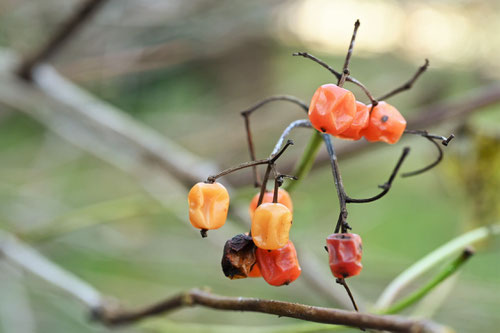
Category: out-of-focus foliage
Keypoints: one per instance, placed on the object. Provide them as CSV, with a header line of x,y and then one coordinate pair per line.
x,y
186,68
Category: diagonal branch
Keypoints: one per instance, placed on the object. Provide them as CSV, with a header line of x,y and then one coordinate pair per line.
x,y
387,185
407,85
68,28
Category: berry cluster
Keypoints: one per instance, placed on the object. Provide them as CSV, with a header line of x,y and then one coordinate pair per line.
x,y
266,250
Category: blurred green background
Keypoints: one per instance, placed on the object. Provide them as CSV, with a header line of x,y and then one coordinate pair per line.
x,y
186,69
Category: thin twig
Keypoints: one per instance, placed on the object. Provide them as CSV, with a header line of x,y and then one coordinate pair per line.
x,y
304,123
283,309
431,137
342,282
337,74
306,161
387,185
270,160
246,116
408,85
345,68
288,98
342,196
66,30
251,149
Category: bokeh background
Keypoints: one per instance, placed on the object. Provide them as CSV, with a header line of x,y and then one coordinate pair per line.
x,y
186,69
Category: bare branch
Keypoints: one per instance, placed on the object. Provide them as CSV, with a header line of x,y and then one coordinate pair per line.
x,y
246,115
283,309
408,85
291,99
68,28
345,69
387,185
431,137
338,75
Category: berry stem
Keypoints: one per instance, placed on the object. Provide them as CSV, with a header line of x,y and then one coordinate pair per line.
x,y
342,221
306,161
246,116
270,160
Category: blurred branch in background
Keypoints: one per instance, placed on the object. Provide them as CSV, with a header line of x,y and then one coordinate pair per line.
x,y
66,31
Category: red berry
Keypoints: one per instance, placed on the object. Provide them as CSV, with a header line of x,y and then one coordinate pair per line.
x,y
345,252
278,267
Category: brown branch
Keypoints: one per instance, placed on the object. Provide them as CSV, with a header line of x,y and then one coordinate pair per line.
x,y
54,44
284,309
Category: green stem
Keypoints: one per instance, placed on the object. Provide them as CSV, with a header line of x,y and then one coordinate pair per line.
x,y
306,162
440,277
423,265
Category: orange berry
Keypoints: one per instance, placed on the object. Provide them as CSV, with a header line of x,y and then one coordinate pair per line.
x,y
386,124
283,198
332,109
279,267
271,226
359,123
208,205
